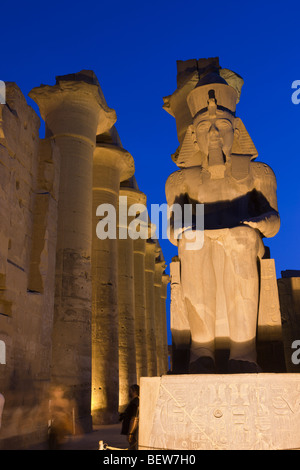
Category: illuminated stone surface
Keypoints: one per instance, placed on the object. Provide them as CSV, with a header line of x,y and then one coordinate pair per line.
x,y
220,412
61,307
128,340
139,247
73,111
164,293
29,180
151,251
159,326
289,294
217,286
112,164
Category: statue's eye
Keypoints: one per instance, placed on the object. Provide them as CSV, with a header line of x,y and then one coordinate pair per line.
x,y
223,124
203,126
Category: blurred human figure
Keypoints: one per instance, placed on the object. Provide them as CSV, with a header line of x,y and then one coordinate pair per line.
x,y
130,418
61,418
2,401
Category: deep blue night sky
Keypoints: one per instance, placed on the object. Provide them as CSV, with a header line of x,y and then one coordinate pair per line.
x,y
133,46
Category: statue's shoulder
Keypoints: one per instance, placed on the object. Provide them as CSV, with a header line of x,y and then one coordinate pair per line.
x,y
176,178
262,170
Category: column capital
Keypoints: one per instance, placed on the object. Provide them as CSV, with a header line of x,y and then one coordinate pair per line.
x,y
151,231
160,266
115,157
151,247
165,279
160,263
134,196
69,101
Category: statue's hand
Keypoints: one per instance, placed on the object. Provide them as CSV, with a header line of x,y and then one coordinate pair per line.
x,y
257,223
268,224
251,223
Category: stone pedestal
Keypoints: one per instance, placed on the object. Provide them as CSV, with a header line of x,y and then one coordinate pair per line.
x,y
112,164
220,412
74,111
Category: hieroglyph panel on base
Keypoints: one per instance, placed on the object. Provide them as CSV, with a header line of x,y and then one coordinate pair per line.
x,y
206,412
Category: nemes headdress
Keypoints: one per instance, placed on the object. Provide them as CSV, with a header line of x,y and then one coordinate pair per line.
x,y
202,85
212,88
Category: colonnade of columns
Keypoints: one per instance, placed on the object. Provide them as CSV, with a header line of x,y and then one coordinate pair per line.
x,y
109,326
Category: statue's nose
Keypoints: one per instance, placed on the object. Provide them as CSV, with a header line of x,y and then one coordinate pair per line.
x,y
213,131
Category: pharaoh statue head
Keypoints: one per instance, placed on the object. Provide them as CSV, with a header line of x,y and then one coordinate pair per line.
x,y
204,106
212,104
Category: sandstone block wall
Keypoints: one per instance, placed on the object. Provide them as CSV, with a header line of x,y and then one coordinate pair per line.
x,y
29,173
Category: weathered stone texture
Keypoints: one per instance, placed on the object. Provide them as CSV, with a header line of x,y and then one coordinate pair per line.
x,y
76,312
159,328
289,294
112,164
164,294
220,412
219,287
140,308
28,176
151,249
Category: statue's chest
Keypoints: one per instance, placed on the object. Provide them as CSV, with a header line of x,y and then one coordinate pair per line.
x,y
205,190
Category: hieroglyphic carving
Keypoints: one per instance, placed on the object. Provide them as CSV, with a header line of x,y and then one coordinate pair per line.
x,y
247,411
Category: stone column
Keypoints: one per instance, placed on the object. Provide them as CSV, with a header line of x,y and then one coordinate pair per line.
x,y
164,290
289,295
126,295
151,251
139,247
159,269
112,164
74,112
135,196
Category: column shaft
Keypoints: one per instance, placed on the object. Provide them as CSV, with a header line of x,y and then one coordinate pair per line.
x,y
71,338
126,298
72,110
164,287
150,307
105,359
159,268
140,308
111,165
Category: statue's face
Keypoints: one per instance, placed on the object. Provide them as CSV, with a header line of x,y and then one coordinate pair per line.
x,y
215,131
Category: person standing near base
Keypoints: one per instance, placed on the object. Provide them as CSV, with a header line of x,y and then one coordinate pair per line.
x,y
130,418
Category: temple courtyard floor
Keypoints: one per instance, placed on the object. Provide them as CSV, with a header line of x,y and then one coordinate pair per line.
x,y
109,434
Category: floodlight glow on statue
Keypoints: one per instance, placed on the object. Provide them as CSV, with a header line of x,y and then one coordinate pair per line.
x,y
220,282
